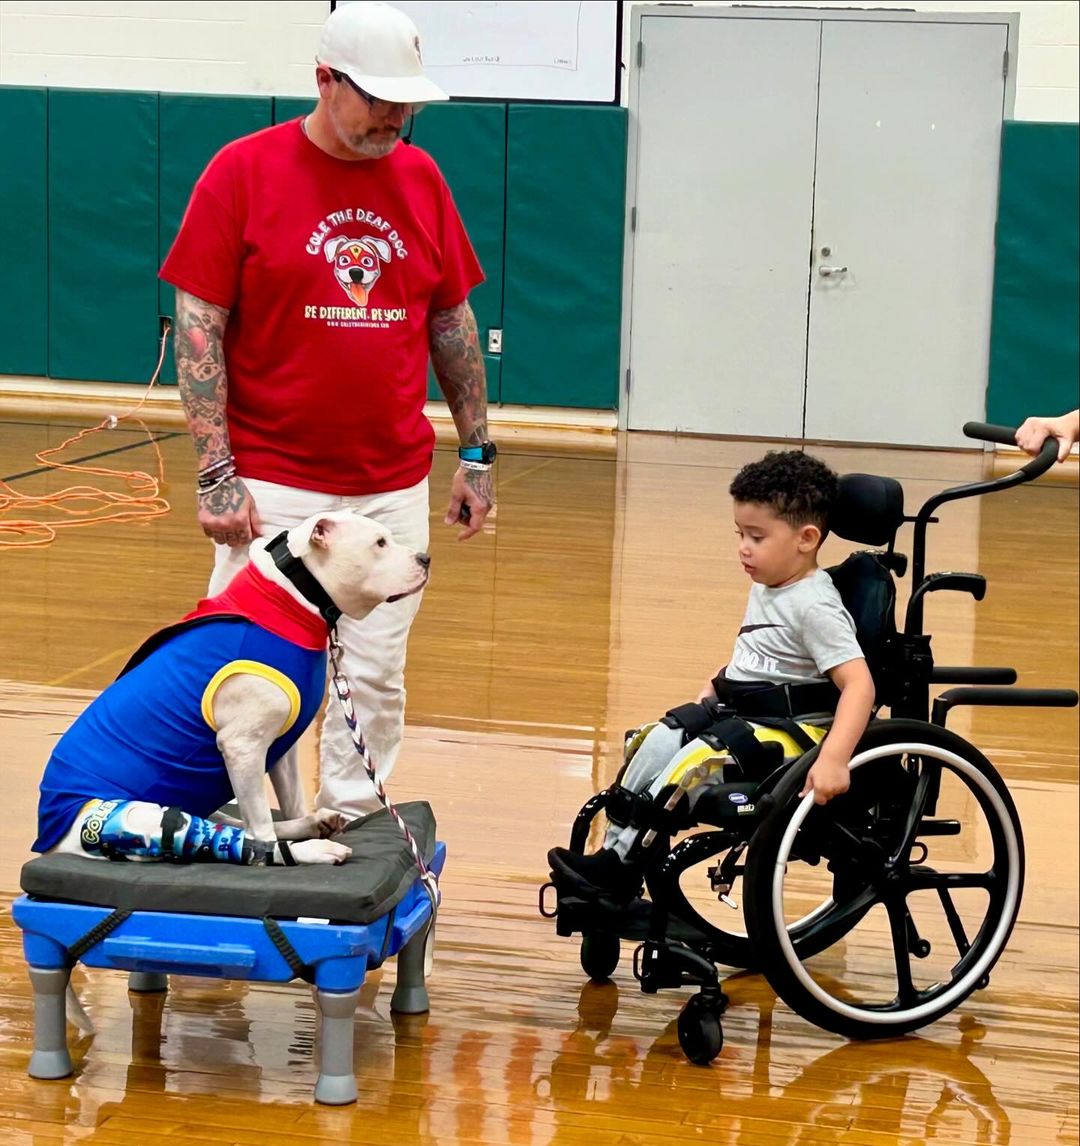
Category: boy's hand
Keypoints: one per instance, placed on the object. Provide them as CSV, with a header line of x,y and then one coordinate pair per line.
x,y
828,777
830,774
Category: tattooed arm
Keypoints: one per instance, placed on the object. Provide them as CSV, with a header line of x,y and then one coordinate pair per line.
x,y
459,367
227,514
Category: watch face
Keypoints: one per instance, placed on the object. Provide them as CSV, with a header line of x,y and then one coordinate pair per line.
x,y
484,453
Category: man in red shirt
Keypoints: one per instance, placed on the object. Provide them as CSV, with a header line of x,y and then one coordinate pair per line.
x,y
319,263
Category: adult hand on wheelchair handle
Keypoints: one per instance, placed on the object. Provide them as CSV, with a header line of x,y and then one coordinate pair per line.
x,y
1006,436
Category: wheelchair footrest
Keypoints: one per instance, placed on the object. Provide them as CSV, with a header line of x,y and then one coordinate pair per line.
x,y
630,921
658,965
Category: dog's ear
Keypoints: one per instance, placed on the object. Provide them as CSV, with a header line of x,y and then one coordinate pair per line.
x,y
302,542
320,533
331,249
382,247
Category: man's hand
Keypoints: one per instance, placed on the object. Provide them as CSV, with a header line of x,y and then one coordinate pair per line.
x,y
459,367
1035,431
828,777
227,514
472,501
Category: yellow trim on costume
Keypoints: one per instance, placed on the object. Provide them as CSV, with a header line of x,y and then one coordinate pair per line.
x,y
251,668
705,754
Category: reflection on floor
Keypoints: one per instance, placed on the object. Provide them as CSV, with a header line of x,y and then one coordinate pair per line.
x,y
606,593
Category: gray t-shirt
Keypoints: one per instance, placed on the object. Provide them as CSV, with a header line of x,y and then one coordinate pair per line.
x,y
793,634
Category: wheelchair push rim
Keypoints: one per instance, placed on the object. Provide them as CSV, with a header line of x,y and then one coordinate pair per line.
x,y
807,990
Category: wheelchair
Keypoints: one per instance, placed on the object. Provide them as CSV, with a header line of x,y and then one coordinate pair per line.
x,y
922,858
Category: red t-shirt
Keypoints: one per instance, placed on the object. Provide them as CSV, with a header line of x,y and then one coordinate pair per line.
x,y
329,269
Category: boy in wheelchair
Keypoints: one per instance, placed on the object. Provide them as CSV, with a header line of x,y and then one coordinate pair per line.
x,y
796,633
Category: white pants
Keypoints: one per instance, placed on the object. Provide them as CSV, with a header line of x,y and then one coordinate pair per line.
x,y
373,650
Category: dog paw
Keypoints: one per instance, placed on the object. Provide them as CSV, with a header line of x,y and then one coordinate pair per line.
x,y
327,822
320,851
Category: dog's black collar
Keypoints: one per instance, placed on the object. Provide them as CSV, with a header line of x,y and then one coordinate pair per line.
x,y
302,578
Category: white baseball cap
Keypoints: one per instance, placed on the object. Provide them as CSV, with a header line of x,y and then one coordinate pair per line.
x,y
378,48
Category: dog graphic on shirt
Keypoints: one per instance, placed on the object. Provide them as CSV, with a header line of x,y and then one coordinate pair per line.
x,y
357,264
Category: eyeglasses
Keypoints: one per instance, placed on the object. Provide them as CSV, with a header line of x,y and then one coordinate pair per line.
x,y
380,107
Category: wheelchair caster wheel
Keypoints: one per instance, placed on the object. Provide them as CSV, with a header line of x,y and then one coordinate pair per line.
x,y
700,1033
600,952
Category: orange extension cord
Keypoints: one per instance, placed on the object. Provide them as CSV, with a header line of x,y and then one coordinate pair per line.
x,y
82,505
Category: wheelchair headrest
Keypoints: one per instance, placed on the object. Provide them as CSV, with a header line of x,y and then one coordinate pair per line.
x,y
868,509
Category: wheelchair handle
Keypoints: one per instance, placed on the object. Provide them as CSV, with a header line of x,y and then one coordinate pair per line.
x,y
1001,698
973,583
987,433
1006,436
972,674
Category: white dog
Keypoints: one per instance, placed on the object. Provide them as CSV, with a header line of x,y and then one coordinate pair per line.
x,y
205,709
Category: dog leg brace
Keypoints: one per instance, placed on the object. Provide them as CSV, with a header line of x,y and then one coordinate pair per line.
x,y
130,829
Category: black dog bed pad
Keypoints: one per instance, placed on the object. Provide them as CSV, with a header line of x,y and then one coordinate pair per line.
x,y
375,879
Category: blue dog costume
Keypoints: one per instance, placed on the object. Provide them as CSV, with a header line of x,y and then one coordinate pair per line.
x,y
150,736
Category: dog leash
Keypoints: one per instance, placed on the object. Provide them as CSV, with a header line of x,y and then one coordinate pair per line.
x,y
301,577
344,693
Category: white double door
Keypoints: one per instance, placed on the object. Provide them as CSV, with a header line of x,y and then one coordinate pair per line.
x,y
815,208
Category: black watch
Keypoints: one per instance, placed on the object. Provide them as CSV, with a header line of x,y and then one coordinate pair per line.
x,y
483,453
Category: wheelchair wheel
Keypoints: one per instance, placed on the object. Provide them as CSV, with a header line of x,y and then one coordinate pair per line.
x,y
600,951
691,898
700,1034
932,901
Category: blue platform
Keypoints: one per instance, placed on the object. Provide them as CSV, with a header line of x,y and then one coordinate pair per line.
x,y
154,944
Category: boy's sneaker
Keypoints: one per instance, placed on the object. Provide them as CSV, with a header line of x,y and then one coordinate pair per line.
x,y
599,874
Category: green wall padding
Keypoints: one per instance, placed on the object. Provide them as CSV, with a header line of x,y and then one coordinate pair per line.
x,y
24,293
103,234
540,189
1035,339
192,129
289,107
565,196
468,142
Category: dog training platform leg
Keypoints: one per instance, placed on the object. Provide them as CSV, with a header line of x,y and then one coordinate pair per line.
x,y
147,982
50,1058
336,1084
410,995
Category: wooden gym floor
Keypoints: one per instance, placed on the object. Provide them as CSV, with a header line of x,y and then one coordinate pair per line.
x,y
606,593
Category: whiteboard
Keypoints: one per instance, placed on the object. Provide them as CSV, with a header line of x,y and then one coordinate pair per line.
x,y
550,50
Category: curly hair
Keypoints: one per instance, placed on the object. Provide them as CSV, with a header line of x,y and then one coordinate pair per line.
x,y
798,488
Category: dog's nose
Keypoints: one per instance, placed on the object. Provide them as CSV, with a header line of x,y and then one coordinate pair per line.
x,y
423,560
356,274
